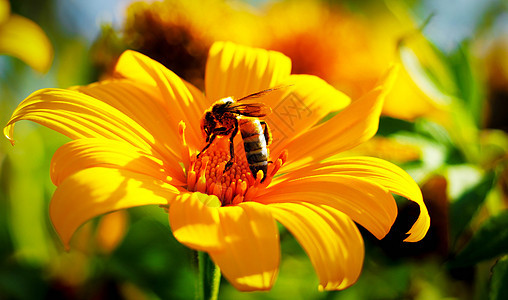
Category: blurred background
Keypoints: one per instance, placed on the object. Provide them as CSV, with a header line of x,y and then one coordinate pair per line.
x,y
445,123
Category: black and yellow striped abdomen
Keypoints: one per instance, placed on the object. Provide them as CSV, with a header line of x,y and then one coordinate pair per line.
x,y
254,143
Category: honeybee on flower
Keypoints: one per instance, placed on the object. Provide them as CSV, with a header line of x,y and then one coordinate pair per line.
x,y
136,139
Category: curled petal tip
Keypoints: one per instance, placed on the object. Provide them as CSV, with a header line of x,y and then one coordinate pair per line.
x,y
8,133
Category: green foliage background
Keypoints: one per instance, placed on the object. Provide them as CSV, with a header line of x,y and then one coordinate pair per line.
x,y
464,255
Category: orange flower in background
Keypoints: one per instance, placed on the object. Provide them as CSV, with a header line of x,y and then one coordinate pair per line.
x,y
332,43
350,50
136,139
178,34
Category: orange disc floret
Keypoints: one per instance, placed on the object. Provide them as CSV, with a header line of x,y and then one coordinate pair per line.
x,y
207,174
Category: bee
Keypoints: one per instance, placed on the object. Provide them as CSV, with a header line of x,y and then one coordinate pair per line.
x,y
226,117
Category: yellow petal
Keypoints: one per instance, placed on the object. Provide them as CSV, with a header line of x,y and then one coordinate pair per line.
x,y
332,241
302,101
251,254
77,115
425,82
25,40
96,191
354,125
236,71
384,173
111,230
5,10
366,202
195,222
407,101
81,154
144,105
180,96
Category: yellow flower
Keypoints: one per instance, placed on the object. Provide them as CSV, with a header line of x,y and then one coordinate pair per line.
x,y
135,143
24,39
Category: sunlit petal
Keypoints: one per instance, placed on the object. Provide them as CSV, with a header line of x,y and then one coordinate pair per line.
x,y
354,125
178,94
300,103
96,191
87,153
367,203
251,253
195,221
144,106
384,173
77,115
332,241
236,71
22,38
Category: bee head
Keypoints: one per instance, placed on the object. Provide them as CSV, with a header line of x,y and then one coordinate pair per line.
x,y
208,123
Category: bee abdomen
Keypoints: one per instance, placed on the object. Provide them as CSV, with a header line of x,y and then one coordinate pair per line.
x,y
255,146
257,156
258,160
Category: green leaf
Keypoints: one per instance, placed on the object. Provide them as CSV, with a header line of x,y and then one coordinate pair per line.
x,y
151,258
490,241
463,209
432,130
389,126
498,283
469,88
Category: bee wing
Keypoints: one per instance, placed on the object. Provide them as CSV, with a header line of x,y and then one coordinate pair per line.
x,y
256,110
253,109
260,93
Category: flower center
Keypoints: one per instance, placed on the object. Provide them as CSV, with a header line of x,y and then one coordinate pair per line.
x,y
207,173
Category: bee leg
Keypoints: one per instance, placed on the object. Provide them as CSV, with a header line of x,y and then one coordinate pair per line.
x,y
229,164
267,133
213,136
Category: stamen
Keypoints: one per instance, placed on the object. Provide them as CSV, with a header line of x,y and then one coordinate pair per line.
x,y
191,180
228,196
186,154
202,184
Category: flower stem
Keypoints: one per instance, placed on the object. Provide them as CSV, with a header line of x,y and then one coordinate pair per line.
x,y
209,278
